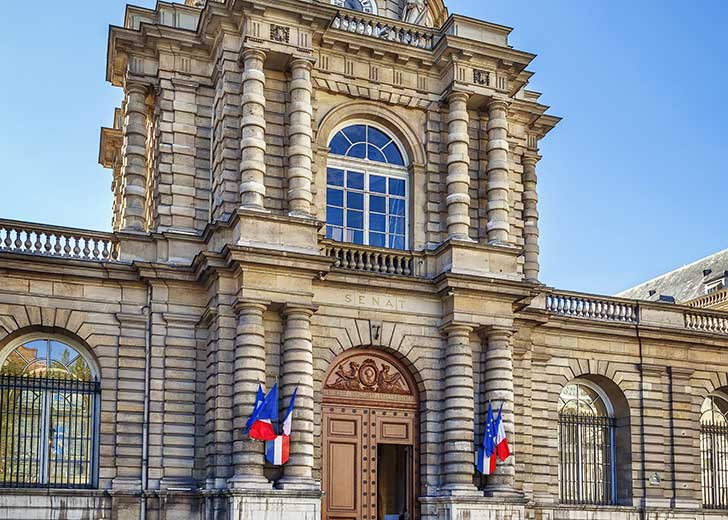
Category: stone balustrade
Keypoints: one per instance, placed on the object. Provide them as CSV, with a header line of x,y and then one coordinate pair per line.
x,y
38,239
707,322
709,300
591,307
369,259
405,34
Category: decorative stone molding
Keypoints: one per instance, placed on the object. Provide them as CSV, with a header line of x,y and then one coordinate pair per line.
x,y
367,375
481,77
280,33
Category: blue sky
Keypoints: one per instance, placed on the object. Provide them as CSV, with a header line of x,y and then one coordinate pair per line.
x,y
631,183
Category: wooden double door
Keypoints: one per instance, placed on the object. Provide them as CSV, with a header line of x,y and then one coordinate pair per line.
x,y
369,443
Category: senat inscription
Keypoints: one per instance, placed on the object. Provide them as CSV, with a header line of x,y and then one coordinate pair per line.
x,y
378,301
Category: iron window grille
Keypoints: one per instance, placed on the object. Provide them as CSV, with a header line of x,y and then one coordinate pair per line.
x,y
714,465
586,460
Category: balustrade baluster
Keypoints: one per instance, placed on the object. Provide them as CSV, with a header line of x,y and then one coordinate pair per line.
x,y
18,243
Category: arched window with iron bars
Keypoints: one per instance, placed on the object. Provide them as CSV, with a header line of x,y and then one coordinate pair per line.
x,y
49,408
714,450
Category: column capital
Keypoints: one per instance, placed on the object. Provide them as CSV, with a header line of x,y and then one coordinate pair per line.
x,y
252,53
530,158
297,62
457,95
299,308
495,103
452,327
240,306
496,331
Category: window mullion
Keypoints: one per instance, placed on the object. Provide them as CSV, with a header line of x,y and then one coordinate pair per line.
x,y
366,204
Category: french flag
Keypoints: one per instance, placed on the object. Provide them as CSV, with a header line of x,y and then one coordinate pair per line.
x,y
278,449
261,422
259,398
501,442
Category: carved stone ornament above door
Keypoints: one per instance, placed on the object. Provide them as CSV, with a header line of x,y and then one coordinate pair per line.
x,y
370,374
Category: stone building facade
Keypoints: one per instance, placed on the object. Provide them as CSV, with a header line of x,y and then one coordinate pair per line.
x,y
340,199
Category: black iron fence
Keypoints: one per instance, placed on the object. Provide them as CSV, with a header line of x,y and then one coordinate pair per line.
x,y
586,460
47,432
714,465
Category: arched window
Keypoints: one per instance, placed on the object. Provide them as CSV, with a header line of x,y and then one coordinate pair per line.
x,y
367,188
714,450
49,393
587,470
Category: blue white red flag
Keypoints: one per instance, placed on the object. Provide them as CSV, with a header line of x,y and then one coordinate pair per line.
x,y
501,442
259,398
277,450
261,423
485,458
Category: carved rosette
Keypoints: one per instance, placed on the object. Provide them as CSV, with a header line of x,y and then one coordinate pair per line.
x,y
367,374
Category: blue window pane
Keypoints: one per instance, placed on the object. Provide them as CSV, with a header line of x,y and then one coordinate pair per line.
x,y
376,155
357,237
334,233
356,133
378,184
396,242
335,177
396,207
339,144
378,204
377,240
358,150
396,225
355,200
355,180
394,156
355,219
377,222
334,197
396,187
378,138
334,216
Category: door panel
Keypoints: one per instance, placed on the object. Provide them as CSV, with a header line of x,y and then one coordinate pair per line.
x,y
343,460
343,483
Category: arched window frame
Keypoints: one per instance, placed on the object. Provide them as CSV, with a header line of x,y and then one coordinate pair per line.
x,y
370,168
574,484
714,453
95,414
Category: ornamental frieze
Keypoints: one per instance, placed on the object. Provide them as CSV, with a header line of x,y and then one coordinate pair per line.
x,y
369,375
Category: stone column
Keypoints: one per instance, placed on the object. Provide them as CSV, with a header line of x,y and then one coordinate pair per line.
x,y
248,372
498,386
530,218
458,162
252,135
498,187
459,410
297,371
300,134
134,151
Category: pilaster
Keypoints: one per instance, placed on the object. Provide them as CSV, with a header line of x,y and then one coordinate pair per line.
x,y
300,135
531,266
252,125
458,162
458,412
248,373
134,169
498,187
297,372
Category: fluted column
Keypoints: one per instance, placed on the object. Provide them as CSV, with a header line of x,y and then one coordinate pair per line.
x,y
530,218
459,409
248,372
458,162
252,138
134,168
498,388
297,371
498,228
300,134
